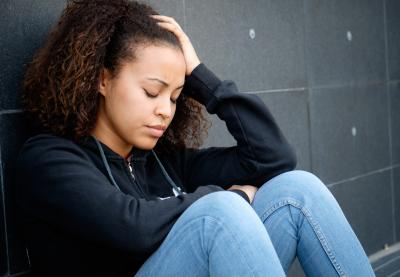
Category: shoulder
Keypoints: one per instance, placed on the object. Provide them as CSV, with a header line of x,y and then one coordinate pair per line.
x,y
44,146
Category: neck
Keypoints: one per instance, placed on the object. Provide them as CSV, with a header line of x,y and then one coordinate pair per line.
x,y
107,136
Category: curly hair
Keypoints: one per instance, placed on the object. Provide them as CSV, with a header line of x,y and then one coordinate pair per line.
x,y
60,88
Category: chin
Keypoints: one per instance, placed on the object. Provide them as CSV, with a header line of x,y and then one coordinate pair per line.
x,y
147,144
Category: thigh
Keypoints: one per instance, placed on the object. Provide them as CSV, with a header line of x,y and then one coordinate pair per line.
x,y
218,235
303,218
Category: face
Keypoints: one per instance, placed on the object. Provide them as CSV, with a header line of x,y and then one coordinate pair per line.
x,y
140,99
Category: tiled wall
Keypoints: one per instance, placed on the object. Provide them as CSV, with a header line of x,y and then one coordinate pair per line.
x,y
329,70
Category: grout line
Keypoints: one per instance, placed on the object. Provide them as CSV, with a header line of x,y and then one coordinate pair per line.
x,y
4,213
362,84
345,85
394,273
385,41
11,111
391,159
184,15
384,253
360,176
276,90
389,106
310,149
387,262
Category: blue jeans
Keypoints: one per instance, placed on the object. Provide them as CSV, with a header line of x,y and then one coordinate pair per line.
x,y
293,214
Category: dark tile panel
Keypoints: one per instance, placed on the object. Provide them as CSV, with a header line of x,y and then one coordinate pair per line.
x,y
393,38
394,92
335,57
273,58
290,111
218,134
12,135
3,248
349,131
296,270
367,204
23,26
173,8
396,186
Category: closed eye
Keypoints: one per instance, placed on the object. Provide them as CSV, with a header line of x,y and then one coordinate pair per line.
x,y
150,95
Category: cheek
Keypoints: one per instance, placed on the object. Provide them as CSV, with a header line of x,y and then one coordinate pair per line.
x,y
128,99
127,107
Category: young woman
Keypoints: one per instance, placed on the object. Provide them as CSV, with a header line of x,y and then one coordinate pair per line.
x,y
112,183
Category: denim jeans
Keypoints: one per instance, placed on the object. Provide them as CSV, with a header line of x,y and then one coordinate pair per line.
x,y
293,214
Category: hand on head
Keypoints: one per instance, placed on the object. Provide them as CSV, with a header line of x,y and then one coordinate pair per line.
x,y
191,58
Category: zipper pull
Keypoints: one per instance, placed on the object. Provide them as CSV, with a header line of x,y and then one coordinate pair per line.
x,y
131,169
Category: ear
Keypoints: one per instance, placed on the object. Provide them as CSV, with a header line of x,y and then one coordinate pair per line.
x,y
104,82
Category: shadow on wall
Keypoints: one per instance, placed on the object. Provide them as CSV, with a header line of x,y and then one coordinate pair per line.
x,y
23,27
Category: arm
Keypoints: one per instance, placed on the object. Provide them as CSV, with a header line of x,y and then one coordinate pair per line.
x,y
59,185
262,151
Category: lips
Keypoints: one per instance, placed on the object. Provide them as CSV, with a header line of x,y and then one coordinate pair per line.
x,y
159,127
156,130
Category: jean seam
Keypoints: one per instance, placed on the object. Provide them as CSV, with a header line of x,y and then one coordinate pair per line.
x,y
314,225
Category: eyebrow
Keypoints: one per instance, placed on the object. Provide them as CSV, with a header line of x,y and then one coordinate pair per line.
x,y
162,82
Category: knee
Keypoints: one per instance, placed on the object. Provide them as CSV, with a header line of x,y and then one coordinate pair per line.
x,y
224,205
298,184
223,201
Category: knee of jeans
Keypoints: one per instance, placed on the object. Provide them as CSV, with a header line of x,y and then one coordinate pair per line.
x,y
222,204
298,184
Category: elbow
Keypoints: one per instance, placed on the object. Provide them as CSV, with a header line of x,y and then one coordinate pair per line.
x,y
285,161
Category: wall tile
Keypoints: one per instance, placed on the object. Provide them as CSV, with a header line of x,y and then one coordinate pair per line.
x,y
296,270
23,25
393,37
3,248
394,92
291,112
12,135
396,195
331,58
173,8
367,204
218,134
349,131
220,31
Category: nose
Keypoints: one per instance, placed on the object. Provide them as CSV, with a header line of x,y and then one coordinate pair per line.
x,y
164,107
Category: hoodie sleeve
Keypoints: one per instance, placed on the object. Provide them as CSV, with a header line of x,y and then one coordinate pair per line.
x,y
58,184
262,151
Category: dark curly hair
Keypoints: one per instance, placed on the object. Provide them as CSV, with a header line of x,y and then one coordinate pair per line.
x,y
60,89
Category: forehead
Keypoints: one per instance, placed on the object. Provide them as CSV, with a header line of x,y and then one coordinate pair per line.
x,y
161,61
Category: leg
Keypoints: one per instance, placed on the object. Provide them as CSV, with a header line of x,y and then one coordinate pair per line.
x,y
302,217
218,235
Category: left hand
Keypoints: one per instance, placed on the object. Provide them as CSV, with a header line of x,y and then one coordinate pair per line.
x,y
191,58
248,189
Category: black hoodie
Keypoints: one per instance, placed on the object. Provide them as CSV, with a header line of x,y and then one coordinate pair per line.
x,y
77,223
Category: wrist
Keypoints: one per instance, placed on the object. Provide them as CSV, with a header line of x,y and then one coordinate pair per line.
x,y
192,66
242,194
